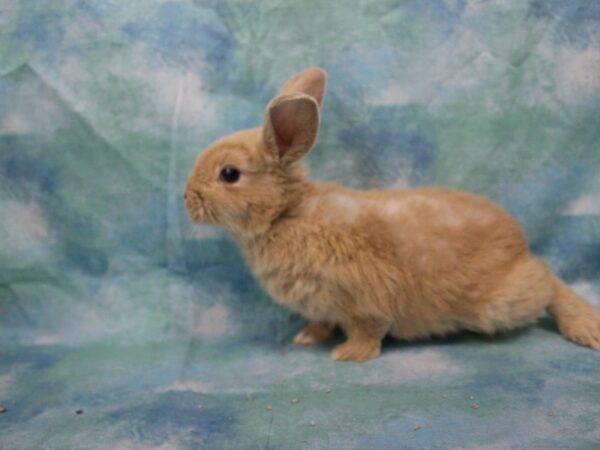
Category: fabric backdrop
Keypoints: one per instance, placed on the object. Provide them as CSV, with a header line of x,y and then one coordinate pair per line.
x,y
112,304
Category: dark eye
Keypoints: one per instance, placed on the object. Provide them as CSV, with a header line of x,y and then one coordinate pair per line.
x,y
229,174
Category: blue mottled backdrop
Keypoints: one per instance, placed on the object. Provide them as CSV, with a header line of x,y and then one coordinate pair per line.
x,y
112,304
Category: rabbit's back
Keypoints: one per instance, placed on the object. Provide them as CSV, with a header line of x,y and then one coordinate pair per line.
x,y
429,227
445,228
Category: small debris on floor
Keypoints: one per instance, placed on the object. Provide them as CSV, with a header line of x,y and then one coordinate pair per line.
x,y
79,412
269,408
475,406
328,391
472,398
295,401
199,405
313,423
551,414
444,396
417,427
3,409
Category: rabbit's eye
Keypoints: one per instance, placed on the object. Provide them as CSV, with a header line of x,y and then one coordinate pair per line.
x,y
229,174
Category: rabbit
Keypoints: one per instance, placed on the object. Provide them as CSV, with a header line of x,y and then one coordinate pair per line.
x,y
410,263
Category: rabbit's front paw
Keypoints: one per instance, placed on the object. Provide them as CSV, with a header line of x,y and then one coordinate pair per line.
x,y
314,333
357,350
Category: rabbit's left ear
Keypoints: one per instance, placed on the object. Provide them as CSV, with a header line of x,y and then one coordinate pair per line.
x,y
292,117
291,126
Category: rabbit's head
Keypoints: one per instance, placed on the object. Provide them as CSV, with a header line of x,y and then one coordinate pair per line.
x,y
246,180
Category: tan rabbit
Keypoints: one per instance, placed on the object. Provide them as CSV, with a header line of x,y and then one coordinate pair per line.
x,y
411,263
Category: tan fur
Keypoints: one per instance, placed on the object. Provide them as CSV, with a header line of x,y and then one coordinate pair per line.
x,y
411,263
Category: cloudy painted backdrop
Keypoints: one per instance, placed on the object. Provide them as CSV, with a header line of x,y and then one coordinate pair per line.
x,y
113,304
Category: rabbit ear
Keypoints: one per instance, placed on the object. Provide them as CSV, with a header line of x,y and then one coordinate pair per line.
x,y
310,81
291,126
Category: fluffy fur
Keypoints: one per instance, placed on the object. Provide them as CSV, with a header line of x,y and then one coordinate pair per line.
x,y
411,263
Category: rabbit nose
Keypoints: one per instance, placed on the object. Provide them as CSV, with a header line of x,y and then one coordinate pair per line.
x,y
185,195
